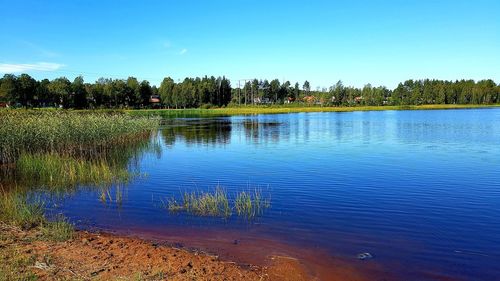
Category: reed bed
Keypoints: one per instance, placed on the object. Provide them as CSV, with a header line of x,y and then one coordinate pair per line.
x,y
71,133
56,171
219,204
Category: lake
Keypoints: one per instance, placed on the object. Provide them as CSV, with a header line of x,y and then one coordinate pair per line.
x,y
418,190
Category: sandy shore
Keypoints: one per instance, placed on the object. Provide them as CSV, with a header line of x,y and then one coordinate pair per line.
x,y
102,256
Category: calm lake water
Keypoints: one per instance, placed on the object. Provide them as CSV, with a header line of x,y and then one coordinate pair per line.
x,y
419,190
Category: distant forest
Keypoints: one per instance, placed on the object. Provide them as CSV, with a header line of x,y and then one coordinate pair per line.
x,y
24,91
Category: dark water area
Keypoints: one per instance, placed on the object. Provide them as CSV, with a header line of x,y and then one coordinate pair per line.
x,y
418,190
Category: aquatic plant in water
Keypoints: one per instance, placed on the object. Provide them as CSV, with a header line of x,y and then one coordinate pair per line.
x,y
20,209
57,171
203,203
218,204
17,208
250,205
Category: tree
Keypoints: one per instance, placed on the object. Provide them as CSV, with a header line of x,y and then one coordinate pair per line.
x,y
255,90
132,92
274,88
97,93
8,88
225,88
145,92
59,89
284,91
42,94
339,92
306,87
296,91
119,92
26,89
79,93
166,91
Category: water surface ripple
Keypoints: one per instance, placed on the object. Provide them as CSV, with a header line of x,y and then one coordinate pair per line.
x,y
419,190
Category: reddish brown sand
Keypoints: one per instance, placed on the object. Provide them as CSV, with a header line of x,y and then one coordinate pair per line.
x,y
254,249
114,257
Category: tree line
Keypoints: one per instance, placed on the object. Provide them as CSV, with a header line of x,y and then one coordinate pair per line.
x,y
25,91
411,92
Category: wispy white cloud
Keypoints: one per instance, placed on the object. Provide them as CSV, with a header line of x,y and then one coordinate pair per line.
x,y
167,44
23,67
183,51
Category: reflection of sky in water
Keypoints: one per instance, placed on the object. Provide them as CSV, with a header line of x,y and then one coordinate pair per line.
x,y
415,188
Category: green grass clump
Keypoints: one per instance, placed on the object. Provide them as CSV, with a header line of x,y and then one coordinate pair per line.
x,y
218,204
80,133
20,210
59,230
214,204
16,210
57,171
250,205
14,265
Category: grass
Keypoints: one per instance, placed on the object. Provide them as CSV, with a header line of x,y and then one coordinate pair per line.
x,y
218,204
15,265
71,133
17,208
106,196
57,171
20,211
59,230
59,150
293,108
251,205
203,203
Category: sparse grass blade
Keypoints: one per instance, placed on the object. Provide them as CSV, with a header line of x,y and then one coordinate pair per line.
x,y
218,204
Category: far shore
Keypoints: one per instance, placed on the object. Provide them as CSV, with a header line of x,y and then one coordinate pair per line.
x,y
277,109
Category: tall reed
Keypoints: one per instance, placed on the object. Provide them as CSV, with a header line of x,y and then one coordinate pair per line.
x,y
58,171
68,132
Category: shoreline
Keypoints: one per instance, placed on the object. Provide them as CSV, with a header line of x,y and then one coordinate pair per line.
x,y
255,110
113,256
106,256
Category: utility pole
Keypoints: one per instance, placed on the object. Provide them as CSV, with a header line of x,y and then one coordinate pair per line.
x,y
239,90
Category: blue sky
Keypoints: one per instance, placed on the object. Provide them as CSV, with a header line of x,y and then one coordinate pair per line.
x,y
358,42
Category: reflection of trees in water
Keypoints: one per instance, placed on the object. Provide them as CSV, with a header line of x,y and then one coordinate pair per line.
x,y
264,132
219,131
201,131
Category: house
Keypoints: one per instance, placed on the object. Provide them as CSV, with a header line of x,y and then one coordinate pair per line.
x,y
290,100
154,101
358,99
259,100
309,99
